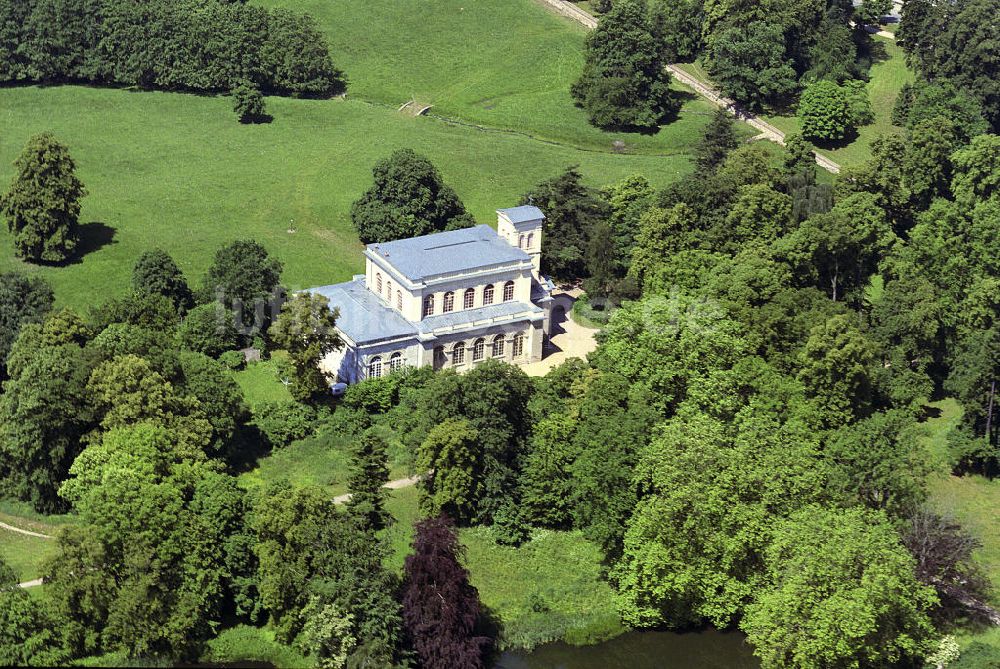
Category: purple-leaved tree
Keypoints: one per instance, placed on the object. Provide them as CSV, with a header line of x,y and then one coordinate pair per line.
x,y
440,607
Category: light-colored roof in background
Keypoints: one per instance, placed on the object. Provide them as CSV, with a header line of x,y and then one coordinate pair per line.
x,y
364,317
522,214
450,252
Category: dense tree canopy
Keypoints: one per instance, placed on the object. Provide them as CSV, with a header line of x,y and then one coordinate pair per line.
x,y
408,199
203,45
842,593
624,83
23,300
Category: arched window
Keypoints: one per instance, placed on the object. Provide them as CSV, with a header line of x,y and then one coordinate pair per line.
x,y
498,346
517,349
478,349
488,294
520,242
531,239
470,298
439,357
508,291
378,283
429,306
399,300
458,353
375,368
388,291
395,362
449,302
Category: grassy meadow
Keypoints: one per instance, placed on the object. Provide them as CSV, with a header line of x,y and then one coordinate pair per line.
x,y
497,64
887,77
22,552
971,500
177,171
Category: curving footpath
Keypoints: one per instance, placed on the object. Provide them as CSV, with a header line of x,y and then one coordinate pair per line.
x,y
767,130
4,526
391,485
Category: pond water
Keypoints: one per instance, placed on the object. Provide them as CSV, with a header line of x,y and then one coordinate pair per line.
x,y
707,649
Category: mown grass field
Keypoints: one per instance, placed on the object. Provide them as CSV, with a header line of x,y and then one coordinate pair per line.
x,y
178,172
499,64
887,77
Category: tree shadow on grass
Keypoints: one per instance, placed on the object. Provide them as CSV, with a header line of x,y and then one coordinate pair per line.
x,y
258,119
247,447
833,144
92,237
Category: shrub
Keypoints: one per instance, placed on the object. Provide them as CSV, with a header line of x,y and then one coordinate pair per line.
x,y
281,424
248,103
234,360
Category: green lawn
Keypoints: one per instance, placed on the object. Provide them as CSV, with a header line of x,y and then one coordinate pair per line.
x,y
25,554
177,171
22,552
972,500
499,64
548,589
260,384
887,78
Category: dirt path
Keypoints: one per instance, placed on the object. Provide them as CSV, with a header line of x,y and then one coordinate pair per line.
x,y
391,485
5,526
767,130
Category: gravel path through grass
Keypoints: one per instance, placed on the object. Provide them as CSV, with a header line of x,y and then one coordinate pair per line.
x,y
711,94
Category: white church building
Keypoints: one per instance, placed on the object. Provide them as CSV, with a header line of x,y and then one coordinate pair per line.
x,y
450,299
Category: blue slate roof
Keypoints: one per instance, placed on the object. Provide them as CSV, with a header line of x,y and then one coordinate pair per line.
x,y
364,317
525,212
448,252
468,316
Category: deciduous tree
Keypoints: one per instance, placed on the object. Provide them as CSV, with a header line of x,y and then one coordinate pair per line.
x,y
42,206
842,592
306,328
409,198
156,272
440,607
624,83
